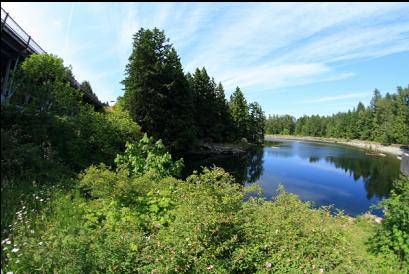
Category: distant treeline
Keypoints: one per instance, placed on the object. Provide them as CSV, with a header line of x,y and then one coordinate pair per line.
x,y
385,120
183,109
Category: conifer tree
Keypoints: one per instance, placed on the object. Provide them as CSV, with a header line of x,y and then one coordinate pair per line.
x,y
226,124
156,90
204,98
257,120
239,111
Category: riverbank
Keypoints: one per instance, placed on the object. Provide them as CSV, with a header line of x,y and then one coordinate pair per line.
x,y
219,149
394,149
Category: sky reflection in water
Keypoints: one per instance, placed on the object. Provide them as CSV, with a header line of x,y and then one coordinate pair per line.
x,y
323,173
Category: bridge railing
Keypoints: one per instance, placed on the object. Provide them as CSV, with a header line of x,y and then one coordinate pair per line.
x,y
6,20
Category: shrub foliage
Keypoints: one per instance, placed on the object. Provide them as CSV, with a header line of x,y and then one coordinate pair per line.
x,y
138,219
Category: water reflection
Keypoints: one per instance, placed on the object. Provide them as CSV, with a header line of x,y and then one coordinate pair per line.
x,y
376,172
254,165
324,173
245,168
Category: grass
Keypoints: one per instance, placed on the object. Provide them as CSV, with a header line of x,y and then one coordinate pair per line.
x,y
358,233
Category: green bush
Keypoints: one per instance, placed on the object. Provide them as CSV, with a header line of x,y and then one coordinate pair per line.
x,y
147,223
48,134
393,235
148,156
41,84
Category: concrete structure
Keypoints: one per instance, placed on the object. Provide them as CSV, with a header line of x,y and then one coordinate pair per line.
x,y
16,45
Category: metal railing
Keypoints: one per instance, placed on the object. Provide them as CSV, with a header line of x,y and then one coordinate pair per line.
x,y
12,25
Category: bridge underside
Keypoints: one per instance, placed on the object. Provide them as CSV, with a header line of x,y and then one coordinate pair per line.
x,y
12,53
14,49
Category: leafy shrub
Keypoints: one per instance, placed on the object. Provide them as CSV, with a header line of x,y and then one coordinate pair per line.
x,y
41,84
47,134
148,156
152,223
393,234
145,224
96,137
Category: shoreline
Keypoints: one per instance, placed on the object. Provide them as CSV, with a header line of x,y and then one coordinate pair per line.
x,y
208,149
394,149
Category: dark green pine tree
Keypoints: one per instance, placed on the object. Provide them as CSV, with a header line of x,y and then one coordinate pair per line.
x,y
205,102
361,126
239,112
385,120
156,90
257,121
225,123
401,125
86,86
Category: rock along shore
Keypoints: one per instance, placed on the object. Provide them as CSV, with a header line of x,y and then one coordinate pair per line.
x,y
208,149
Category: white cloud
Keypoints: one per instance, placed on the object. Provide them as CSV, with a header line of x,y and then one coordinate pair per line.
x,y
275,75
249,45
260,47
335,98
51,26
67,31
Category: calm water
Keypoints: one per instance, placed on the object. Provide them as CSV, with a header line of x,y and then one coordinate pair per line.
x,y
324,173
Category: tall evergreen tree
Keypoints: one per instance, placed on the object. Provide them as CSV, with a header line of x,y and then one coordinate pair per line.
x,y
385,120
86,86
205,103
225,122
156,90
239,111
401,122
257,121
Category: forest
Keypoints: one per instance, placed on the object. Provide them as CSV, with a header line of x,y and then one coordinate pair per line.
x,y
384,120
84,191
183,109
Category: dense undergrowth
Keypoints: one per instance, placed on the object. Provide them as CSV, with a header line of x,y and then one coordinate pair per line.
x,y
137,218
126,211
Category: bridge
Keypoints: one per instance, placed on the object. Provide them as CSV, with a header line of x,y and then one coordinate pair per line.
x,y
16,45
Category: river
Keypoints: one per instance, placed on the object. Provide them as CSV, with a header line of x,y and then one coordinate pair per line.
x,y
323,173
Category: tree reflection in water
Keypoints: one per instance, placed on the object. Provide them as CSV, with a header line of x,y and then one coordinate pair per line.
x,y
377,173
245,168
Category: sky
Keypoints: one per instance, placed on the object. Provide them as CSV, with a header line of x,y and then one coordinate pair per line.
x,y
292,58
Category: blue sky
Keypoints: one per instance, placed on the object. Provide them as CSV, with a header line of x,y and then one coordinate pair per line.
x,y
309,58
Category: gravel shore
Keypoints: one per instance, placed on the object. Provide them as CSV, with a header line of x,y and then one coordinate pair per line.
x,y
394,149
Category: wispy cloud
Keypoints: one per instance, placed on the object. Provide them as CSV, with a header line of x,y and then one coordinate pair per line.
x,y
270,47
335,98
67,31
276,75
263,48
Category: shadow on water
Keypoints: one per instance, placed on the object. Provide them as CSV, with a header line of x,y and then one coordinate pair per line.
x,y
245,168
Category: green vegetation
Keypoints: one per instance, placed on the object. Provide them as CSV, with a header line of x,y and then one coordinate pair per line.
x,y
284,124
127,212
170,105
393,235
140,220
386,120
48,134
157,94
209,98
